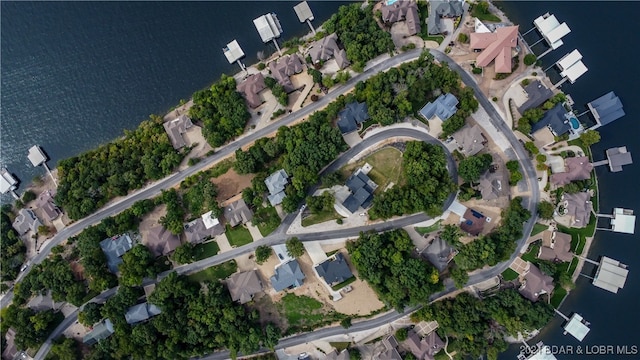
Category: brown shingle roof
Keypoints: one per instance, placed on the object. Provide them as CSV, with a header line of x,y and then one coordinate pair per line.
x,y
251,88
175,128
576,168
283,69
402,10
558,247
244,285
161,241
473,222
579,207
535,284
237,213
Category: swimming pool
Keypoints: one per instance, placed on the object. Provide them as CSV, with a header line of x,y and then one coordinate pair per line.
x,y
574,123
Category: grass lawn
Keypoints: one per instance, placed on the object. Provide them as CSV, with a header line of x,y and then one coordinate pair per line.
x,y
538,228
339,286
437,38
578,236
321,217
305,312
428,229
214,273
339,346
238,236
558,294
386,166
205,250
475,12
272,222
532,254
509,274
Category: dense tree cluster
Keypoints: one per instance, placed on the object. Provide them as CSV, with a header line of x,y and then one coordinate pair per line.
x,y
387,262
472,167
65,349
137,264
184,254
351,23
222,111
195,320
532,116
32,328
499,244
476,327
428,184
90,314
91,179
263,253
514,172
546,210
590,137
277,90
174,218
323,202
295,248
200,197
12,248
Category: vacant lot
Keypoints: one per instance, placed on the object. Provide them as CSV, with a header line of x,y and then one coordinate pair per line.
x,y
320,217
271,217
231,183
386,164
238,236
215,273
302,312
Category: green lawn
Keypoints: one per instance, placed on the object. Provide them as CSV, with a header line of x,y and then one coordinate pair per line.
x,y
578,236
558,294
238,236
271,220
532,254
538,228
214,273
509,274
428,229
344,283
339,346
483,16
205,250
386,166
320,217
305,312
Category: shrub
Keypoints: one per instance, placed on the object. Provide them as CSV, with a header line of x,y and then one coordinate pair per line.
x,y
530,59
541,158
525,82
261,66
463,38
28,196
477,70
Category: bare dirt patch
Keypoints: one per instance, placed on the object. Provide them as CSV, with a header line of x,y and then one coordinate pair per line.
x,y
231,183
151,220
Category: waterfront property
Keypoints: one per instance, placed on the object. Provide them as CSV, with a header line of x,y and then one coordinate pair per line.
x,y
175,128
25,221
535,283
537,94
439,9
282,69
233,52
113,248
101,331
578,207
555,119
551,30
353,114
606,109
141,312
275,184
237,213
470,140
36,156
334,270
161,241
45,202
473,222
250,88
202,228
496,46
327,48
443,107
303,11
576,168
287,276
571,67
402,10
361,189
243,286
618,157
556,246
622,221
576,326
8,183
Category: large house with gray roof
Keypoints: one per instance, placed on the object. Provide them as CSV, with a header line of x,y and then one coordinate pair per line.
x,y
556,246
576,168
443,107
556,119
334,270
579,207
242,286
361,188
402,10
276,183
284,68
100,331
354,114
535,283
141,312
287,275
442,9
202,228
113,248
470,140
390,350
44,302
175,128
25,221
424,348
493,184
237,213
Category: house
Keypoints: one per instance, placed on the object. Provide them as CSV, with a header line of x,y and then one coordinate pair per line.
x,y
576,168
390,350
141,312
10,350
243,286
556,246
237,213
334,270
287,275
473,222
496,46
493,184
361,188
470,140
161,241
351,116
46,203
579,207
113,248
439,253
537,94
283,69
335,355
44,302
444,107
101,331
556,119
326,48
442,9
425,348
175,128
275,184
402,10
535,283
251,88
25,221
202,228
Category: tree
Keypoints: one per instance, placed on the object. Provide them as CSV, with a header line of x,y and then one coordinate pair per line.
x,y
295,248
530,59
546,210
272,335
65,349
184,254
354,354
453,124
346,323
460,277
137,263
28,196
472,167
401,334
90,314
451,235
263,253
590,137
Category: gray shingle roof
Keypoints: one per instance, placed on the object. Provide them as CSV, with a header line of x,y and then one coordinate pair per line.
x,y
362,188
25,221
353,114
444,106
113,248
141,312
287,275
608,107
283,69
536,283
251,88
276,183
439,9
334,271
537,94
555,118
46,202
324,49
470,139
175,128
161,241
579,206
101,331
242,286
196,231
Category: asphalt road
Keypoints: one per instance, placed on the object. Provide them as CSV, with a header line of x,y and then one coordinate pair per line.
x,y
155,188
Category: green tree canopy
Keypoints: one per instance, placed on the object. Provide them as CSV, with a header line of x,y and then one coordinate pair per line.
x,y
472,167
590,137
295,248
545,210
263,253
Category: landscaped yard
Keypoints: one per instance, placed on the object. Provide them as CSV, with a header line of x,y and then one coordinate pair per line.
x,y
538,228
269,220
428,229
558,294
305,312
509,274
215,273
205,250
386,166
238,236
477,12
320,217
532,254
578,236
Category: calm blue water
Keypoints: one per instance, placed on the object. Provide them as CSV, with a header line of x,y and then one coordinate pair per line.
x,y
605,34
75,74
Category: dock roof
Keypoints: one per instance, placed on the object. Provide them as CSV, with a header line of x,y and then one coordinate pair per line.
x,y
303,11
495,46
7,181
623,221
268,27
607,108
576,327
571,66
36,156
611,275
551,29
233,52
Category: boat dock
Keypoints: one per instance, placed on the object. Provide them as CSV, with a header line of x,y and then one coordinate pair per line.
x,y
8,183
303,11
622,221
611,274
269,28
576,326
233,52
